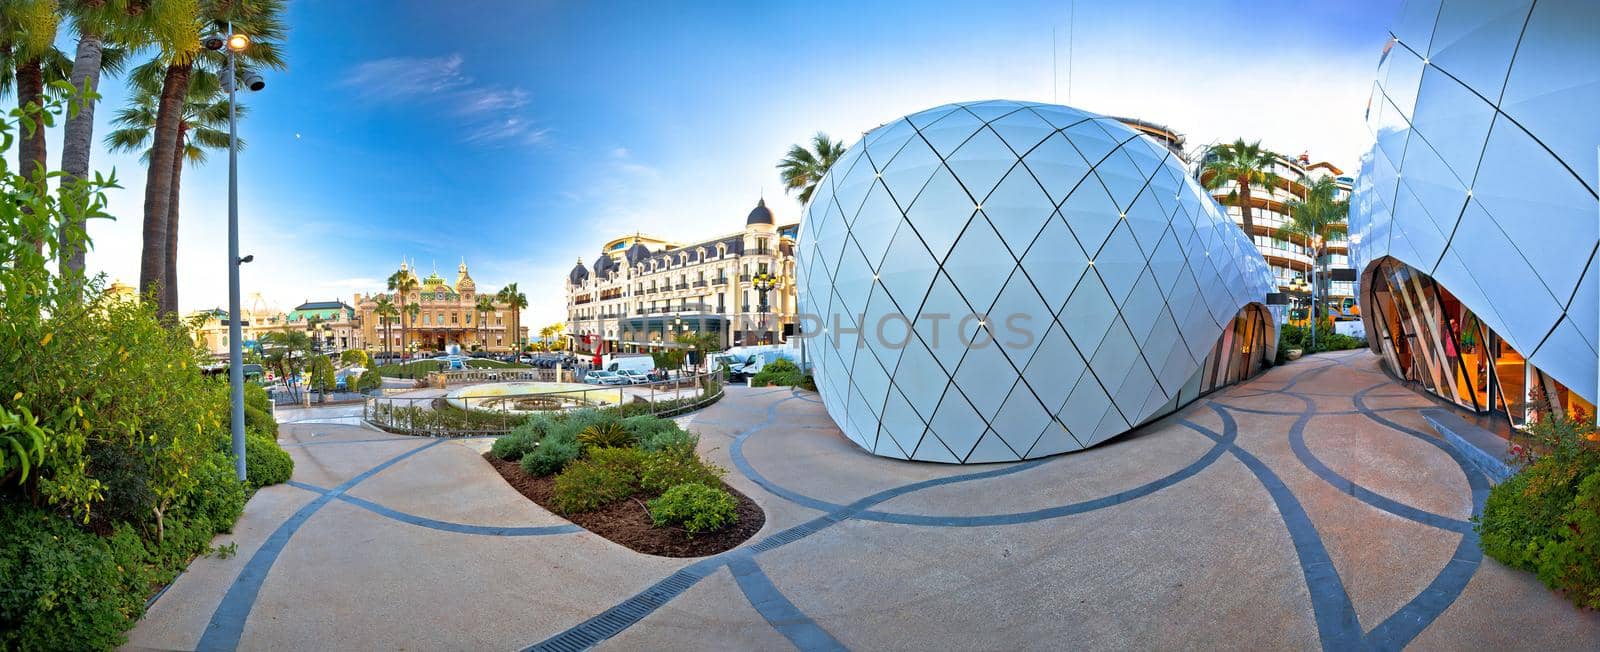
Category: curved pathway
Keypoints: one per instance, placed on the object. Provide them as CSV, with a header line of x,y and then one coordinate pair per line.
x,y
1310,507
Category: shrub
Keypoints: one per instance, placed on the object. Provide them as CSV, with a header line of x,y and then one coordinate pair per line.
x,y
670,467
265,462
66,588
260,422
605,434
1546,517
552,455
513,446
218,498
587,485
696,507
779,372
626,460
655,433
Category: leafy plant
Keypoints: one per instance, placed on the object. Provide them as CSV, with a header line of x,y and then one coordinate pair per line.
x,y
587,485
669,467
552,455
606,434
696,507
66,588
1546,517
21,443
780,372
266,463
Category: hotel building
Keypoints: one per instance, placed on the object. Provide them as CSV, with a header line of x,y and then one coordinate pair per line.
x,y
1290,258
643,291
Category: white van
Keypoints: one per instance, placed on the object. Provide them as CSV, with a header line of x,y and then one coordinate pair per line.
x,y
636,363
753,364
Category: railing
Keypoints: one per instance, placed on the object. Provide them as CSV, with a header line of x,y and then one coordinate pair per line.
x,y
458,376
699,284
744,278
721,281
441,416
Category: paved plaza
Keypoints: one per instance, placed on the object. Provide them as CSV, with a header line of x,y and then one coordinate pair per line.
x,y
1310,507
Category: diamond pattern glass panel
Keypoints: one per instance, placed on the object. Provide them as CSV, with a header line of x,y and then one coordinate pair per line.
x,y
1483,172
998,208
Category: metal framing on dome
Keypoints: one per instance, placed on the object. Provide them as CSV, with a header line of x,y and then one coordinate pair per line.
x,y
1474,217
1109,287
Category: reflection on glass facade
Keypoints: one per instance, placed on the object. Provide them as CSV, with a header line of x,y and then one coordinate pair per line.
x,y
1002,281
1473,218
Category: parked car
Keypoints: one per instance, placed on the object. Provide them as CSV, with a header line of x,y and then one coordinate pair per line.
x,y
599,377
637,377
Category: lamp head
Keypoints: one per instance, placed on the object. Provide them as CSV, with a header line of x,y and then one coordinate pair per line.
x,y
213,41
238,42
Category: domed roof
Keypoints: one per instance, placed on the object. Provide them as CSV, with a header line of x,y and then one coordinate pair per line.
x,y
1128,254
579,273
637,252
760,214
604,264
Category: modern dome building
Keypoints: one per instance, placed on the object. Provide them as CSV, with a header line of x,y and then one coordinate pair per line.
x,y
1473,221
1002,280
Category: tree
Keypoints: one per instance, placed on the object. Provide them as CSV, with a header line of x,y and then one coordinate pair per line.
x,y
287,351
261,20
411,312
106,30
1246,165
27,44
515,301
801,169
1315,217
384,311
202,126
483,307
403,283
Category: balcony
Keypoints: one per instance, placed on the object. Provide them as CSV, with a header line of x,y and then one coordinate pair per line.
x,y
744,278
699,284
681,286
723,280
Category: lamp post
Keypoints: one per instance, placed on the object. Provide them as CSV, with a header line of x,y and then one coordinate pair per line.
x,y
234,43
764,283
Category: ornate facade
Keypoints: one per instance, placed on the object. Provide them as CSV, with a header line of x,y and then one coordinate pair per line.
x,y
447,314
643,291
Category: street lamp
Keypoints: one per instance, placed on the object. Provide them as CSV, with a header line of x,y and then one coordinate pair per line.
x,y
235,43
764,283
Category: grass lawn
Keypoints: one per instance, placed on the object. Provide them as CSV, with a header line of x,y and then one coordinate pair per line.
x,y
419,368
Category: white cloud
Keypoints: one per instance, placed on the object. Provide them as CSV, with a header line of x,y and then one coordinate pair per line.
x,y
489,115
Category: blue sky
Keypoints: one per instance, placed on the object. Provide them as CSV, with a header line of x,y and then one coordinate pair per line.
x,y
524,134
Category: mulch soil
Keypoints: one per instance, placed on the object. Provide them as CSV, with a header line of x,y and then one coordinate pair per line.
x,y
626,522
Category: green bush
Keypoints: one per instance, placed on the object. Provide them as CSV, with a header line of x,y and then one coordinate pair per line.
x,y
513,446
265,462
553,454
65,588
218,499
626,460
780,372
670,467
655,433
1546,517
696,507
588,485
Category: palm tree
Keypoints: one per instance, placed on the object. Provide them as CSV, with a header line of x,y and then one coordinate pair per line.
x,y
262,21
483,307
27,57
202,126
410,311
1246,165
384,310
287,350
1315,217
803,168
403,283
106,29
515,301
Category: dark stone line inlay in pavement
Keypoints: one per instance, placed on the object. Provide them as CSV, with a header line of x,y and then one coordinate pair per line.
x,y
778,611
446,526
227,622
1330,603
1297,443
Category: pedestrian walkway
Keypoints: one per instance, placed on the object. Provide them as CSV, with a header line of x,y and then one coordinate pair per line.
x,y
1311,507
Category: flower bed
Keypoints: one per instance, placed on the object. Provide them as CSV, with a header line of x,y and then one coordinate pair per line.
x,y
634,480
